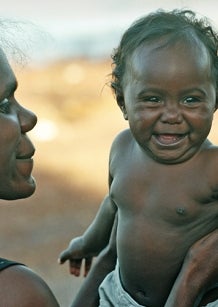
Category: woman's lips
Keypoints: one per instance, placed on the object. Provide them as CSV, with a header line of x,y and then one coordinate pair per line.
x,y
25,155
25,167
25,163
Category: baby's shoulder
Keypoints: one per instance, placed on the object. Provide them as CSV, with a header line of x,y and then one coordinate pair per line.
x,y
209,159
122,140
121,145
210,152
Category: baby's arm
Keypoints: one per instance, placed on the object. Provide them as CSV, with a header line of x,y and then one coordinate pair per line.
x,y
199,273
95,238
105,263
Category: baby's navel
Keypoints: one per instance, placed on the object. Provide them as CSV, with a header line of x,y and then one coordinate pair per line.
x,y
180,211
141,297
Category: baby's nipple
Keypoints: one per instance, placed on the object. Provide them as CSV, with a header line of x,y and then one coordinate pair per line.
x,y
180,211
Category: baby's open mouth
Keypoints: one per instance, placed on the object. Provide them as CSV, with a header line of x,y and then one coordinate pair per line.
x,y
169,139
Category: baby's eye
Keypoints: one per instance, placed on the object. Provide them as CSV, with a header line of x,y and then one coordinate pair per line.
x,y
150,100
154,99
5,106
191,100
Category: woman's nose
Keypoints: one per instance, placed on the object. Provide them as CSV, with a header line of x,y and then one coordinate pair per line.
x,y
27,119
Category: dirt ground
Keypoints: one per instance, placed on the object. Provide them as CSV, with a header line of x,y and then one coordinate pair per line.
x,y
77,121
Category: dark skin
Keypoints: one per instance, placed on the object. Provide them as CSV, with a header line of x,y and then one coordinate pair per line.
x,y
197,272
156,173
193,272
19,286
105,263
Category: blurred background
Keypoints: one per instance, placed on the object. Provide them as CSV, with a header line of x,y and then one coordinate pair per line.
x,y
63,73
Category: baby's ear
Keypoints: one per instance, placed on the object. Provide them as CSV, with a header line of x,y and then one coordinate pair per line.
x,y
121,104
216,105
123,109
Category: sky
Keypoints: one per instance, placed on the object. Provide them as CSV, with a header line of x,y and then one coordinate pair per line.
x,y
91,26
42,10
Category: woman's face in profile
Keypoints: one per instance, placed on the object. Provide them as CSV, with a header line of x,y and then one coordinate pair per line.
x,y
16,149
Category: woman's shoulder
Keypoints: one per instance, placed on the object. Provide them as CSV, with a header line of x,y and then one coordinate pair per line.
x,y
20,286
6,263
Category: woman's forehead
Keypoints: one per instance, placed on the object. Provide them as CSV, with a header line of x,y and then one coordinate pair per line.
x,y
7,76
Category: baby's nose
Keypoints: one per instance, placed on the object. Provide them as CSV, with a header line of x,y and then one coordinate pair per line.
x,y
171,114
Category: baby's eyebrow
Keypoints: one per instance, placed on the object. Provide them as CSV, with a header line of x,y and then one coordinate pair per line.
x,y
194,90
149,90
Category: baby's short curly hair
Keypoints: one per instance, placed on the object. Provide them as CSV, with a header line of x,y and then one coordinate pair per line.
x,y
175,25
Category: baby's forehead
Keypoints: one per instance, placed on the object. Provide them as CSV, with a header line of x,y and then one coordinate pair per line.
x,y
161,59
172,42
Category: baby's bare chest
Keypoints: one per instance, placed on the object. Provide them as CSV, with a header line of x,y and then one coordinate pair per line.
x,y
175,195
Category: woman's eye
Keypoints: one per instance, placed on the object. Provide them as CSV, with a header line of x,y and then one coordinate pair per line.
x,y
5,106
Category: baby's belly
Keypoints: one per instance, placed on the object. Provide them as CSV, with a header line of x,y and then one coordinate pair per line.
x,y
150,257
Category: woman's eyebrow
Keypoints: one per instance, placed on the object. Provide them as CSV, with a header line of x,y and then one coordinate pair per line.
x,y
10,88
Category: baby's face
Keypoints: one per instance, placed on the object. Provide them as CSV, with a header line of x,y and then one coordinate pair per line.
x,y
170,99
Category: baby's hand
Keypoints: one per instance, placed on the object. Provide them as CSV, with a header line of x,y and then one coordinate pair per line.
x,y
75,254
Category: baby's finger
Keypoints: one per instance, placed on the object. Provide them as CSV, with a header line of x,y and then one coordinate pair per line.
x,y
63,256
88,264
75,266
